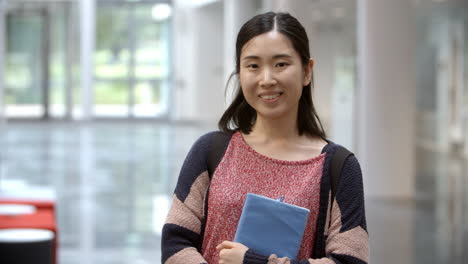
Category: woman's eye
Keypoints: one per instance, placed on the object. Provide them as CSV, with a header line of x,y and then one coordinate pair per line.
x,y
253,66
281,64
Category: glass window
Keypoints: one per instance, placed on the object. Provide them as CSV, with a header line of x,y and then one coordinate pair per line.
x,y
111,98
131,48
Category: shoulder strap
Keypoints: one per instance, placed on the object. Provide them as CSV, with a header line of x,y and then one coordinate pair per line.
x,y
218,145
337,163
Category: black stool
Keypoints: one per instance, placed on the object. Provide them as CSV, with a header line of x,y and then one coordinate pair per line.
x,y
26,246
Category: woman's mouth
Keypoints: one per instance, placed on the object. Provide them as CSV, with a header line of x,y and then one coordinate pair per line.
x,y
270,97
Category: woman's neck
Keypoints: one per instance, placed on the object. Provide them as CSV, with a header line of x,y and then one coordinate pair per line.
x,y
281,140
275,129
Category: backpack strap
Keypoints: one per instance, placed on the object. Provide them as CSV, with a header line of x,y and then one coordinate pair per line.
x,y
337,163
218,146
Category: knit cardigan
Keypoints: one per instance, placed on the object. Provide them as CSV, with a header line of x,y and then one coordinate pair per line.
x,y
343,240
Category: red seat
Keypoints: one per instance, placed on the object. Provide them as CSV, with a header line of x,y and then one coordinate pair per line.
x,y
43,218
39,204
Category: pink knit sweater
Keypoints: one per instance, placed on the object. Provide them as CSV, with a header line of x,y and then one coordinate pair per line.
x,y
243,170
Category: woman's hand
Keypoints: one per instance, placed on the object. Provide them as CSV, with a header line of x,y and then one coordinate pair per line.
x,y
231,252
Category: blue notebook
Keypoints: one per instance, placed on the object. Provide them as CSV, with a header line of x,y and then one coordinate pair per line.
x,y
269,226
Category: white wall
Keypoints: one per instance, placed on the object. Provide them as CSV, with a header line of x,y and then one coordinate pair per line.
x,y
198,63
208,79
183,103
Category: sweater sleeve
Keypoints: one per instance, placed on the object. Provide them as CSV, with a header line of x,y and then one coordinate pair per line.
x,y
347,238
182,232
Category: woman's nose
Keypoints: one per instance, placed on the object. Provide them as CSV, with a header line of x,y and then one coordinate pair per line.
x,y
267,79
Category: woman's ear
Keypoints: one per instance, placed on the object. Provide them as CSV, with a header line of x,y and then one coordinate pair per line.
x,y
308,72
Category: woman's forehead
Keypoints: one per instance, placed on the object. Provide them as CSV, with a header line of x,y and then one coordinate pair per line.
x,y
268,44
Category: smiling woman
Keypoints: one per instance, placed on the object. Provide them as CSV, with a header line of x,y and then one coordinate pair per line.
x,y
260,35
272,144
272,76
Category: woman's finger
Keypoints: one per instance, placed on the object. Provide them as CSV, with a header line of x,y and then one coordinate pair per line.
x,y
226,244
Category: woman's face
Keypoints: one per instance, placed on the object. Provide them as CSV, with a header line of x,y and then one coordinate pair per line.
x,y
272,75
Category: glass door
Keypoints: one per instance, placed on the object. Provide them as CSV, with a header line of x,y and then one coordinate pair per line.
x,y
38,83
25,75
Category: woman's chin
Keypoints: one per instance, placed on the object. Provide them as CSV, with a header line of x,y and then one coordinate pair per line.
x,y
273,114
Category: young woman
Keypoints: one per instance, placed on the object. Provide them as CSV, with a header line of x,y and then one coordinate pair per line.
x,y
273,144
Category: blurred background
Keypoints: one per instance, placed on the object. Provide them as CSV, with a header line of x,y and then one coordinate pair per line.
x,y
100,100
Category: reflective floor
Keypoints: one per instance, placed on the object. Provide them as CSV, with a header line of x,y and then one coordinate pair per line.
x,y
112,183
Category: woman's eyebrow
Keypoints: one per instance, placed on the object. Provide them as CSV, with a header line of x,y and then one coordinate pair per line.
x,y
277,56
251,57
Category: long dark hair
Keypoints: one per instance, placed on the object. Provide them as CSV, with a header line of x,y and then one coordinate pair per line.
x,y
240,115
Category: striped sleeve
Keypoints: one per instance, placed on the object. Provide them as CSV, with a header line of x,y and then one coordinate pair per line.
x,y
182,235
347,240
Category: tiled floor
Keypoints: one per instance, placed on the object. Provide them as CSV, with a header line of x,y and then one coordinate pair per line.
x,y
113,181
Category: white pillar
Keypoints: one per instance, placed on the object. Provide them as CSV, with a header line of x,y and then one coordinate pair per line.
x,y
208,80
2,61
236,13
183,102
87,22
3,145
386,97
